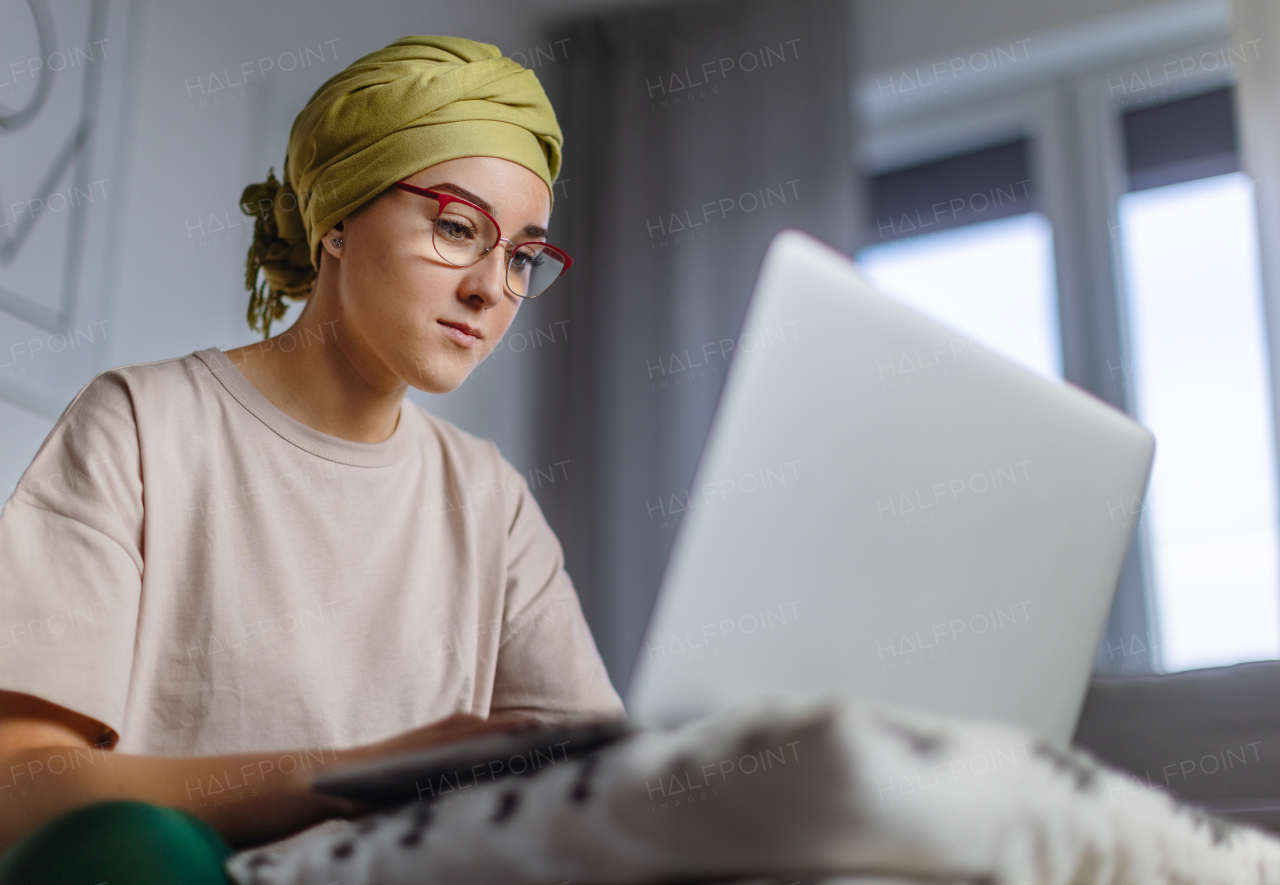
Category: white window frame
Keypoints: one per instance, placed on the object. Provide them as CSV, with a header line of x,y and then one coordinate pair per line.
x,y
1061,95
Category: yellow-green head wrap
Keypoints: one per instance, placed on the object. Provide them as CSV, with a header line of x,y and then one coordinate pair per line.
x,y
420,101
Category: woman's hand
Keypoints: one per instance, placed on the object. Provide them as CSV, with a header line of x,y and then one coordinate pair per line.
x,y
451,729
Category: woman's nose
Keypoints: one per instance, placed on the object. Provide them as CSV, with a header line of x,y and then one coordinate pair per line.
x,y
489,276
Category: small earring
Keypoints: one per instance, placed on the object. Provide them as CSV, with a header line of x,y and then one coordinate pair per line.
x,y
337,241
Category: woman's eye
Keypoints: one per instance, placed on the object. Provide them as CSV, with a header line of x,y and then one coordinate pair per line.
x,y
454,228
524,261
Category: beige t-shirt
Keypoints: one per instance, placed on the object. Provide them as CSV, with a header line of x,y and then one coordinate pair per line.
x,y
203,574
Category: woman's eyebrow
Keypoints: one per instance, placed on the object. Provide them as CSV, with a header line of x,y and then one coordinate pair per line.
x,y
529,230
464,193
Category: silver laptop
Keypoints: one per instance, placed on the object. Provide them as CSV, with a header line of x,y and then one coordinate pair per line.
x,y
885,509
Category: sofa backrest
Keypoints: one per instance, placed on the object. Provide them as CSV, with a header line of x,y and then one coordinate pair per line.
x,y
1207,736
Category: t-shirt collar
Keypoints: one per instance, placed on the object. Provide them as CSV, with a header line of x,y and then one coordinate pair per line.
x,y
358,454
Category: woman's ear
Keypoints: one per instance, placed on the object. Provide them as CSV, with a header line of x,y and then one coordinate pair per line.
x,y
333,240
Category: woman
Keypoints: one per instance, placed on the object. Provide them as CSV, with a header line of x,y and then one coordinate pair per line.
x,y
222,562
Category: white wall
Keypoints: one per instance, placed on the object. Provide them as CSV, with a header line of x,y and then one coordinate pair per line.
x,y
897,32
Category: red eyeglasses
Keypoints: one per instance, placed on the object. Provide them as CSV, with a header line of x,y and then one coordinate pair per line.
x,y
463,233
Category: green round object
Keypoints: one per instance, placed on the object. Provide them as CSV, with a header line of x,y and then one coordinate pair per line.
x,y
118,842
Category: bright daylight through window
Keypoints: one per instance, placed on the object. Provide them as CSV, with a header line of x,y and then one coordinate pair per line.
x,y
992,282
1198,371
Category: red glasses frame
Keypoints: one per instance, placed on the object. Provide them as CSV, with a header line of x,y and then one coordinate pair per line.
x,y
444,200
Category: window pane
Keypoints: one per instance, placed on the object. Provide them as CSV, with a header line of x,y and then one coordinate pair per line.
x,y
993,282
1199,378
952,192
1183,140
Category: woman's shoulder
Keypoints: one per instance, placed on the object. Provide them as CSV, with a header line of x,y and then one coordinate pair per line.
x,y
94,449
159,378
463,452
124,390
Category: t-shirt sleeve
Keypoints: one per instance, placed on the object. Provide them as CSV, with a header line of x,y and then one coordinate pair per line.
x,y
548,665
71,560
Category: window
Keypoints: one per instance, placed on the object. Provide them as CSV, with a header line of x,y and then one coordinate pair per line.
x,y
963,246
992,282
1198,373
1131,270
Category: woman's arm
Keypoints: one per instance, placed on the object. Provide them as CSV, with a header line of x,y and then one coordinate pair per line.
x,y
49,765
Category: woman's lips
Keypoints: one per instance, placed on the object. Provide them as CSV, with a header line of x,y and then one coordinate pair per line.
x,y
458,336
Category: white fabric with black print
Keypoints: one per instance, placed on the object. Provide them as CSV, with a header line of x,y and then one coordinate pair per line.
x,y
789,791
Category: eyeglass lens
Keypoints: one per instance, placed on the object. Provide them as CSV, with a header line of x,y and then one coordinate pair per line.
x,y
463,235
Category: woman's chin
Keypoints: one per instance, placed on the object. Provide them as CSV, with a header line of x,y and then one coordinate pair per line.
x,y
438,382
440,372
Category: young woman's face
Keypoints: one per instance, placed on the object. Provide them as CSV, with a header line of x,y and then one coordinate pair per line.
x,y
406,310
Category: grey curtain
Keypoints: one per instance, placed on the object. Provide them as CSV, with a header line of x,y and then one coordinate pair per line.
x,y
694,132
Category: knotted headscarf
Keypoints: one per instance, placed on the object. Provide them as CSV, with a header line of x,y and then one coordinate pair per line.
x,y
419,102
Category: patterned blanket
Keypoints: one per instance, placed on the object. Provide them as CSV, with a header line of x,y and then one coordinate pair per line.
x,y
790,791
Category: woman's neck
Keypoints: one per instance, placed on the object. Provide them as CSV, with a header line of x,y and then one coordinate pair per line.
x,y
318,375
